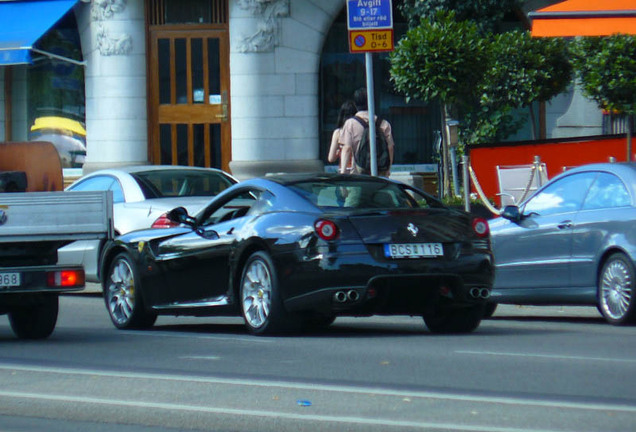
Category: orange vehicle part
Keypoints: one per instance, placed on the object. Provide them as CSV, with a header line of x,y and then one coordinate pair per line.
x,y
38,159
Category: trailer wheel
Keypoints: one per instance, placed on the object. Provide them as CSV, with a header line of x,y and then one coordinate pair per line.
x,y
36,320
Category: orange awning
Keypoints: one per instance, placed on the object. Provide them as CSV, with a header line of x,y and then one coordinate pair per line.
x,y
585,18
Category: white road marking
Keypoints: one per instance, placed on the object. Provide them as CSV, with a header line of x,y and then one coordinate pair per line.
x,y
261,414
547,356
164,334
199,357
551,403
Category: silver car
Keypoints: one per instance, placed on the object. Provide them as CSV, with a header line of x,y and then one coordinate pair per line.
x,y
573,242
142,195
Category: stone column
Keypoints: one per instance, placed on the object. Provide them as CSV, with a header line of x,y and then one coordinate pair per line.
x,y
275,48
113,46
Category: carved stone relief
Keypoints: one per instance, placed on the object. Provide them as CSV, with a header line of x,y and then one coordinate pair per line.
x,y
110,44
266,36
113,45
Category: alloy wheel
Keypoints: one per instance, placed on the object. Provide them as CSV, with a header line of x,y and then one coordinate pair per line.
x,y
616,289
121,292
257,293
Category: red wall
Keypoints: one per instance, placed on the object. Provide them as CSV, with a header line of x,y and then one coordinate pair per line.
x,y
556,154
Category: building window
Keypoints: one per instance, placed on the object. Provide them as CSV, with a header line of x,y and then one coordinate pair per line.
x,y
55,94
163,12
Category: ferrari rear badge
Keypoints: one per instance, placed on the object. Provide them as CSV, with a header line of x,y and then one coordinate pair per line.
x,y
412,229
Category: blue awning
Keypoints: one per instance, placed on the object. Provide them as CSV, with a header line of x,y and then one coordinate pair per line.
x,y
22,23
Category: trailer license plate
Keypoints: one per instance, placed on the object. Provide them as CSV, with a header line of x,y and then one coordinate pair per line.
x,y
9,279
413,250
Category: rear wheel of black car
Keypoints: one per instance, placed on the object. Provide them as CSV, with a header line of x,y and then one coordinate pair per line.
x,y
446,319
123,297
261,303
36,320
616,290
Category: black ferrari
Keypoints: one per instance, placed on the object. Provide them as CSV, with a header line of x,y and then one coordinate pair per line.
x,y
292,252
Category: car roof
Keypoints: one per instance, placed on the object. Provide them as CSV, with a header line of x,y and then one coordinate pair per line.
x,y
626,171
142,168
133,169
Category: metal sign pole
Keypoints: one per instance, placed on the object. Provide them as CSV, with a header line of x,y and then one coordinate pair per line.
x,y
371,108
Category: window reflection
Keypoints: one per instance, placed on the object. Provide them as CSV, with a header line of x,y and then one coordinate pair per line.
x,y
607,191
562,196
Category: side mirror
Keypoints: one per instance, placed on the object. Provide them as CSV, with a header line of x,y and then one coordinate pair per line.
x,y
180,215
511,212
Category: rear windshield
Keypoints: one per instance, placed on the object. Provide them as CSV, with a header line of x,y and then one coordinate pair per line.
x,y
181,183
362,194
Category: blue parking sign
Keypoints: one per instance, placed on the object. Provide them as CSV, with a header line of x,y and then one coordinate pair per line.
x,y
369,14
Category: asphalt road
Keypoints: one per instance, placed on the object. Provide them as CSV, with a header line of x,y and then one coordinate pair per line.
x,y
527,369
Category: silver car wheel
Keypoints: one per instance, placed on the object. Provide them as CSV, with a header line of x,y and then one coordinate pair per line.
x,y
616,289
120,292
257,293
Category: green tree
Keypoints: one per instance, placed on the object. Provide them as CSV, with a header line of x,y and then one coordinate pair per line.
x,y
486,14
521,70
479,78
606,68
441,59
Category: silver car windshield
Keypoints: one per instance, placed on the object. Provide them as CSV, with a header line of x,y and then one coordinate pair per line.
x,y
181,183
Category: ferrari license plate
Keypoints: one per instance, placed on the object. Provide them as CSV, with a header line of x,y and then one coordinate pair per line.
x,y
9,279
413,250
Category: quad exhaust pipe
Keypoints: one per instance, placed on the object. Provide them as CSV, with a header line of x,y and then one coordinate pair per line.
x,y
346,296
482,293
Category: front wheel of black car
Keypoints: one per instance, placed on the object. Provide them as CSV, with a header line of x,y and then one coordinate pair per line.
x,y
123,298
36,320
616,290
261,303
446,319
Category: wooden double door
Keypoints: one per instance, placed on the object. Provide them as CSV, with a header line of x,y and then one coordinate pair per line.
x,y
189,103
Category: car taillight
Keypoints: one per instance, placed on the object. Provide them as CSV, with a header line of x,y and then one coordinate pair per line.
x,y
163,222
480,226
326,229
65,278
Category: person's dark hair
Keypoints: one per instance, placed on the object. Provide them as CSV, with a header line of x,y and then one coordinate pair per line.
x,y
347,110
360,98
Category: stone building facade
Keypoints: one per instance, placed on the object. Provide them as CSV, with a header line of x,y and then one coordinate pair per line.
x,y
269,116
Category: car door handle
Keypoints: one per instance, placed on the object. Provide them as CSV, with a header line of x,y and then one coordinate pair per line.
x,y
209,234
565,224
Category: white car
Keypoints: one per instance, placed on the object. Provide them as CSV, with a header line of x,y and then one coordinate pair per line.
x,y
141,197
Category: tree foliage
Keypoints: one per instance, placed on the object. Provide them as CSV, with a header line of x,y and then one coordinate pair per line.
x,y
484,76
440,59
486,14
523,69
606,67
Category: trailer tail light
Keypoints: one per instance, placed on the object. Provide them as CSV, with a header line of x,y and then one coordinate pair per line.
x,y
326,229
66,278
163,222
480,226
